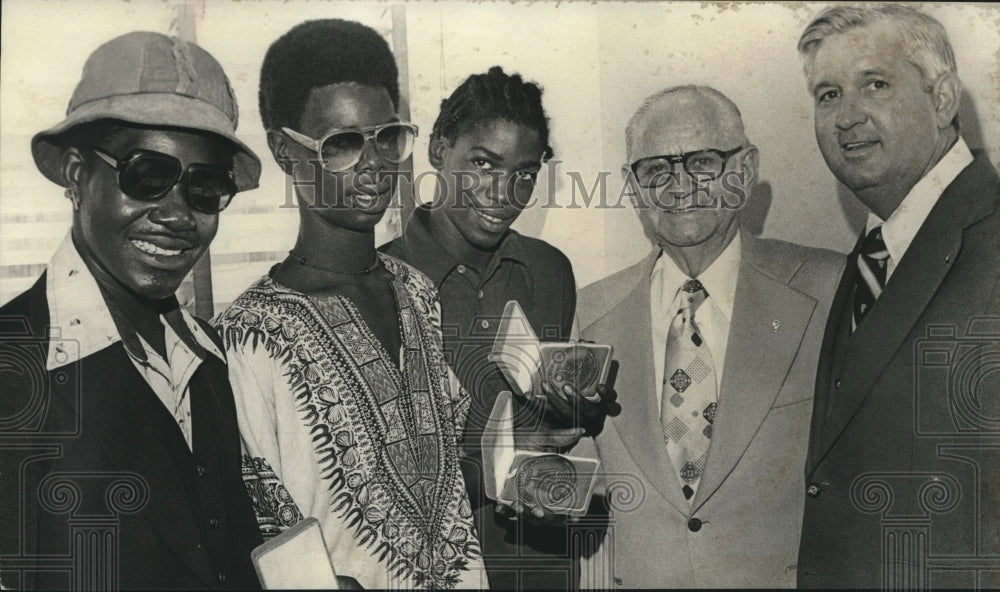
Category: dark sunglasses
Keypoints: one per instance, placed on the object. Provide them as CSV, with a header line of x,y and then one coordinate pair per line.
x,y
146,175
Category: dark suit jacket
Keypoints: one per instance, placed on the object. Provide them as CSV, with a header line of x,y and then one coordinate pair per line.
x,y
95,473
904,455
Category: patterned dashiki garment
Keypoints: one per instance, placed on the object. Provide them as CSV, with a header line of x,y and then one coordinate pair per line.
x,y
335,429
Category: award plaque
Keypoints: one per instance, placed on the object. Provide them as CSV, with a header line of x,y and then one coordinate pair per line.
x,y
296,559
558,483
526,362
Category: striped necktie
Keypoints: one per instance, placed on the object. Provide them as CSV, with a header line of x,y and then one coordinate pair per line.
x,y
873,265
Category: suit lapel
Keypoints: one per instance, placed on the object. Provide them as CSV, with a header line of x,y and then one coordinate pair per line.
x,y
914,283
835,340
628,326
769,321
134,429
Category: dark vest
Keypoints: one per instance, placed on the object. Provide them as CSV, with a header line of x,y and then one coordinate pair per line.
x,y
101,477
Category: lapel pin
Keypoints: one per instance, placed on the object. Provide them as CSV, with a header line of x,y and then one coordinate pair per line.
x,y
775,324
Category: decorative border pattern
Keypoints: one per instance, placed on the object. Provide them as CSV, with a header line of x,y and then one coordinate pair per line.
x,y
271,502
385,438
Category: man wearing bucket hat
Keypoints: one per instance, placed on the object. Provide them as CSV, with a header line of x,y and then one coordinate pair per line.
x,y
127,471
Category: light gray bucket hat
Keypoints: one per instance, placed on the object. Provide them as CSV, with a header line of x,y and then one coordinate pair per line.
x,y
151,79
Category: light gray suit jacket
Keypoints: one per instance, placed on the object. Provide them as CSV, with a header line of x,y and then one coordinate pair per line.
x,y
742,529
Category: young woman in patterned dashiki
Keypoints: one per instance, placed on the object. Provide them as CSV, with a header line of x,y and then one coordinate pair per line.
x,y
347,408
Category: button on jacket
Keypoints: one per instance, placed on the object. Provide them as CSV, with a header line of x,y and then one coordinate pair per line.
x,y
741,529
179,515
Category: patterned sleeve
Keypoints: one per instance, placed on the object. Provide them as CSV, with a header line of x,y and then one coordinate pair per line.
x,y
425,295
255,381
460,402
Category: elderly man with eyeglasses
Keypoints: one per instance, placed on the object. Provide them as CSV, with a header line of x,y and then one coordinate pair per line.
x,y
717,333
119,447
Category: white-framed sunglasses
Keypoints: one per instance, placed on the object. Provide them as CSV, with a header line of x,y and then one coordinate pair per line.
x,y
341,148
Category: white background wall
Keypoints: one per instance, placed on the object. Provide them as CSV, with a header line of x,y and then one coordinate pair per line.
x,y
596,62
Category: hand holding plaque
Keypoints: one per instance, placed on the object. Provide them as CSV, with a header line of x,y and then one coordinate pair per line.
x,y
561,408
528,363
579,366
522,472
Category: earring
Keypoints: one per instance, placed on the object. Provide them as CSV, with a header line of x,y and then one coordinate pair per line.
x,y
72,195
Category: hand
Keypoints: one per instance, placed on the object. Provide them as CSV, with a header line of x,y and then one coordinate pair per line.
x,y
563,406
533,513
541,437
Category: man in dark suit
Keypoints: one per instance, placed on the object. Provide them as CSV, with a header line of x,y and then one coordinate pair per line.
x,y
904,453
119,448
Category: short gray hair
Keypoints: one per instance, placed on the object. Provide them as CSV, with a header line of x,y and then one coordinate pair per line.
x,y
704,92
924,38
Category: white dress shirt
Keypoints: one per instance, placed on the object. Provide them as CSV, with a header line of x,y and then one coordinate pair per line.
x,y
902,226
712,317
84,326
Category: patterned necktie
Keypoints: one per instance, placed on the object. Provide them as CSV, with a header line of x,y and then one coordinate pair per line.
x,y
688,404
873,265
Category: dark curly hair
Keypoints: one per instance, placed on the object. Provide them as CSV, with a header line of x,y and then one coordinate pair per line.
x,y
494,95
318,53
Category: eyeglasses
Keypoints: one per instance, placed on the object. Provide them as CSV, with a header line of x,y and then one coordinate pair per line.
x,y
341,149
701,165
146,175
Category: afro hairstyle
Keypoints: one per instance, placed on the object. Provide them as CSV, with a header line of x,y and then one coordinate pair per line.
x,y
318,53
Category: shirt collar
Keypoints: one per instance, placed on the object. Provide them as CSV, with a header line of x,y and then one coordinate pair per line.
x,y
427,254
719,279
79,314
902,225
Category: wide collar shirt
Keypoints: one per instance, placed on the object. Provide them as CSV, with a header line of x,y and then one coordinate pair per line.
x,y
83,325
903,224
713,317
